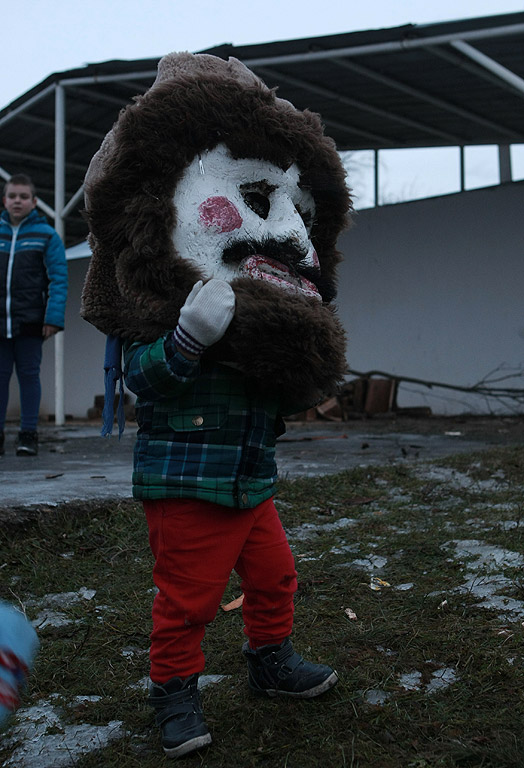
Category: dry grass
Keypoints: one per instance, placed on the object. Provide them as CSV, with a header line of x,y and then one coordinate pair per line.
x,y
402,518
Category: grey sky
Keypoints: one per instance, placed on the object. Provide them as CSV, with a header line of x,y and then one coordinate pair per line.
x,y
45,38
39,38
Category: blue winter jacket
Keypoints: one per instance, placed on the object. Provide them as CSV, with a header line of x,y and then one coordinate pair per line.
x,y
33,276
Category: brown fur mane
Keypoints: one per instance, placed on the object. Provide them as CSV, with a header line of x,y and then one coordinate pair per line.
x,y
137,283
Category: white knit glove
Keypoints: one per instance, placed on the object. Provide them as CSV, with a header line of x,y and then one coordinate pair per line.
x,y
205,316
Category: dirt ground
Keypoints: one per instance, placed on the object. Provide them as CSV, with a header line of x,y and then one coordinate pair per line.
x,y
494,430
75,464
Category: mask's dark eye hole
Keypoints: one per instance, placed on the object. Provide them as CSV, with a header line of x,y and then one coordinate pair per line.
x,y
258,203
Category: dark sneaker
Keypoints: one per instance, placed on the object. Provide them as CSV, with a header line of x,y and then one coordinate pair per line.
x,y
27,444
278,670
2,440
180,716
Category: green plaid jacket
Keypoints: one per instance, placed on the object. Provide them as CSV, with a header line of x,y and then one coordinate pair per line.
x,y
200,434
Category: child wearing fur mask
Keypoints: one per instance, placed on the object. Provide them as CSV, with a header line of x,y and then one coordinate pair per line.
x,y
221,291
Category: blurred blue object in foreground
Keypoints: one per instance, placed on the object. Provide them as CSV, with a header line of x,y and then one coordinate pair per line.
x,y
18,646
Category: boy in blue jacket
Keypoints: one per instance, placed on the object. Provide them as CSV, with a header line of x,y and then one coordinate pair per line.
x,y
33,293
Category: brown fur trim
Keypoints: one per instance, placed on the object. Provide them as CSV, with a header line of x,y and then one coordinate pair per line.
x,y
198,101
289,346
137,283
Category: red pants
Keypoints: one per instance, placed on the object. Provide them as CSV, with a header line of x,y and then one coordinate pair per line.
x,y
196,545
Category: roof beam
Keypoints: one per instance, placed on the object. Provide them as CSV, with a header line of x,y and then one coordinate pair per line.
x,y
73,201
424,96
95,96
468,66
71,127
38,159
501,72
135,86
391,47
345,128
333,95
26,105
94,79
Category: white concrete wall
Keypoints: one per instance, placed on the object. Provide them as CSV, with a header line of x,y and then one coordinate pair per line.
x,y
431,289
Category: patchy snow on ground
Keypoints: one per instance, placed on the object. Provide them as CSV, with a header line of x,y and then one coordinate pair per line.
x,y
410,682
49,613
485,563
307,530
370,563
441,679
43,740
452,478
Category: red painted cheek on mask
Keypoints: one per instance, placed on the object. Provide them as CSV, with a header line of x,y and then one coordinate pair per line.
x,y
220,214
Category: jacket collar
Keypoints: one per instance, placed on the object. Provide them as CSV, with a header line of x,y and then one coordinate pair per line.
x,y
34,216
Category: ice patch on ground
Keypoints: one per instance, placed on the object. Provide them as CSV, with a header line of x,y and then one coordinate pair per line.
x,y
48,618
460,480
487,556
370,563
40,748
486,581
48,607
510,525
376,697
509,608
343,549
131,651
441,679
411,681
63,599
307,530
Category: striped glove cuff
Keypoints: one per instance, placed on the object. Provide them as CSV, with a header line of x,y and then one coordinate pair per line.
x,y
186,342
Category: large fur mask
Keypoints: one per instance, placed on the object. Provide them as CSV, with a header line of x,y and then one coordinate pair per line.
x,y
209,174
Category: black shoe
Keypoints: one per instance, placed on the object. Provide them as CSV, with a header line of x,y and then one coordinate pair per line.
x,y
278,670
2,440
27,444
180,716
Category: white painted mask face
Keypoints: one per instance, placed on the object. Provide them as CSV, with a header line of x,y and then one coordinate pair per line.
x,y
246,218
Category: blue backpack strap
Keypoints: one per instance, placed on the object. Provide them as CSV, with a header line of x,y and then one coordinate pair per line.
x,y
112,374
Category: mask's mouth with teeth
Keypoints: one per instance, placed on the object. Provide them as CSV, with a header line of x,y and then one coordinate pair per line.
x,y
259,267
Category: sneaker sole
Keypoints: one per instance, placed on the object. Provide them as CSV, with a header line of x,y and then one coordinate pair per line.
x,y
26,452
189,746
322,687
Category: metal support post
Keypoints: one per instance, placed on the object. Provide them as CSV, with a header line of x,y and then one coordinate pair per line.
x,y
504,163
376,177
59,226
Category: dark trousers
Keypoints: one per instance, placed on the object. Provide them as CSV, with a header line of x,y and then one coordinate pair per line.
x,y
25,354
196,545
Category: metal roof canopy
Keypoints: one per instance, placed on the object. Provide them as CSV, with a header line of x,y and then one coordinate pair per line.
x,y
452,83
445,84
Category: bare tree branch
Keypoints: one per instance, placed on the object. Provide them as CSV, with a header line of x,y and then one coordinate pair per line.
x,y
482,388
